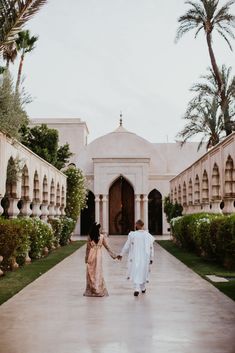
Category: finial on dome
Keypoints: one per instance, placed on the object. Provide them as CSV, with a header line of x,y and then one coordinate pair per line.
x,y
120,118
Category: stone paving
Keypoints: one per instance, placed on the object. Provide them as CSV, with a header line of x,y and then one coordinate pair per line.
x,y
180,313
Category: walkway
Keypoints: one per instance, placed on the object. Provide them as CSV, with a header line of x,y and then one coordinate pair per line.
x,y
180,313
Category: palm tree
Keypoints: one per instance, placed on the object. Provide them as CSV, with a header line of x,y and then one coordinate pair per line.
x,y
25,44
204,119
208,88
13,16
9,53
206,15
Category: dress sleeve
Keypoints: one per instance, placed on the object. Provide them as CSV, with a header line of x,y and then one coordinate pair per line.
x,y
88,248
108,249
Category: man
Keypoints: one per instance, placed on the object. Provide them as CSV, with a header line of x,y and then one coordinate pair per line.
x,y
139,246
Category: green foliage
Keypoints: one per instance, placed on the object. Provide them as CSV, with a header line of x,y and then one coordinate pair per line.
x,y
76,192
12,114
209,235
172,210
62,228
44,142
68,225
13,16
31,235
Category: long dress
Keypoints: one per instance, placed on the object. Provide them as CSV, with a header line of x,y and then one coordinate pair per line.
x,y
95,284
139,247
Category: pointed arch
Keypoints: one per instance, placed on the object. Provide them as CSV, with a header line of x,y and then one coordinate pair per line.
x,y
229,177
45,190
121,207
197,190
88,214
215,183
205,187
155,212
190,192
184,194
36,187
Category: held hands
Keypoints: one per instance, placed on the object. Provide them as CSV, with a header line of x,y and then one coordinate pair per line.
x,y
151,262
119,257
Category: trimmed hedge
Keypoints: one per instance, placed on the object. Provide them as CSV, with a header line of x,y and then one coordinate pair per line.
x,y
209,235
21,237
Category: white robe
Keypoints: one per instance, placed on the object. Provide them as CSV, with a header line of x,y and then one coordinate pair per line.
x,y
139,246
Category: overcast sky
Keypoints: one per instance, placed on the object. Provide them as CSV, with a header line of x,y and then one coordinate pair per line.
x,y
95,58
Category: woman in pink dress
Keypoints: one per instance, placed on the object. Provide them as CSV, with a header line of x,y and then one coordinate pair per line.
x,y
95,285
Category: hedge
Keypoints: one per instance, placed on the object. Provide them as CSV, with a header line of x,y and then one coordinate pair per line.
x,y
21,237
209,235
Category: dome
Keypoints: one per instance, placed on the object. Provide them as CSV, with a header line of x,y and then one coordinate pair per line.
x,y
119,143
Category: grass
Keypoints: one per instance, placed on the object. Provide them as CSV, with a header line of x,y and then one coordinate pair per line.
x,y
12,282
202,267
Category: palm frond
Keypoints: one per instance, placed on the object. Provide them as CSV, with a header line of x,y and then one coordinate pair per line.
x,y
13,16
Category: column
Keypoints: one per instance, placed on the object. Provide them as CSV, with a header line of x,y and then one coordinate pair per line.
x,y
1,208
13,210
97,208
145,200
62,210
26,210
215,206
45,212
36,212
51,209
137,207
105,214
57,211
228,205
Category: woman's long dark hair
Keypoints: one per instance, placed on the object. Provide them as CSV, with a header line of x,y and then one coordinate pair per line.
x,y
94,232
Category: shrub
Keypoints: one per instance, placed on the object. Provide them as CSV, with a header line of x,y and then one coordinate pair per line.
x,y
68,225
209,235
14,242
57,226
41,236
172,210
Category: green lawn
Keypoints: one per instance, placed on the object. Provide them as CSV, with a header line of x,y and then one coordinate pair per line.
x,y
202,267
12,282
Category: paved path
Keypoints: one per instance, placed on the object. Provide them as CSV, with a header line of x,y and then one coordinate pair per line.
x,y
181,313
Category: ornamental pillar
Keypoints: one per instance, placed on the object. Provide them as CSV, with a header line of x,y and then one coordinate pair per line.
x,y
97,208
25,209
13,210
137,207
105,214
145,202
44,212
36,212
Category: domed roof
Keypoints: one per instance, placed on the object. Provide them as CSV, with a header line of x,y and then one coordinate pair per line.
x,y
119,143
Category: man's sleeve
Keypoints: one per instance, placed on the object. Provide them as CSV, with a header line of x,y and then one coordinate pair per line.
x,y
126,247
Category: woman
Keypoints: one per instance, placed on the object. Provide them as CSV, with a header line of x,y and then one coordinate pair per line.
x,y
95,286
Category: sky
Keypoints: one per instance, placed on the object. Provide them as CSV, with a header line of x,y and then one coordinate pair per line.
x,y
95,58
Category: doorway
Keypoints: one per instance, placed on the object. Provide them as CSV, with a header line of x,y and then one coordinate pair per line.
x,y
121,207
155,212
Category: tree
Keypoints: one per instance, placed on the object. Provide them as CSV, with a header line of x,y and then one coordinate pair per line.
x,y
76,196
172,210
24,44
12,114
208,89
206,15
13,16
203,118
44,142
9,53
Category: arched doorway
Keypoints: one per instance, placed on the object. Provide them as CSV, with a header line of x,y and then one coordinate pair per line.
x,y
155,212
88,214
121,207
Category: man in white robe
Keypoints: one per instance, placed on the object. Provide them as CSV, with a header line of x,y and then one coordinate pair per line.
x,y
140,249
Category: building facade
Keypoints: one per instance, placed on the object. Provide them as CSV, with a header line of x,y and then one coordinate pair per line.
x,y
127,176
208,185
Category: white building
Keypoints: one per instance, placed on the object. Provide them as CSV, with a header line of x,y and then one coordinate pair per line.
x,y
127,176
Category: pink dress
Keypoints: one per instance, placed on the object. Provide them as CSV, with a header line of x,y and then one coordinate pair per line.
x,y
95,285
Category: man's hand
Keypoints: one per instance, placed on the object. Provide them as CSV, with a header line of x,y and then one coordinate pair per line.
x,y
151,262
119,257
